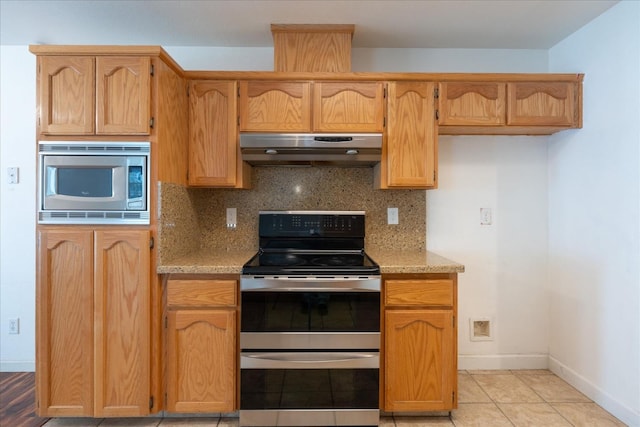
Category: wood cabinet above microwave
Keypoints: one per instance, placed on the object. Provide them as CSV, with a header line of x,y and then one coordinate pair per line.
x,y
311,106
102,95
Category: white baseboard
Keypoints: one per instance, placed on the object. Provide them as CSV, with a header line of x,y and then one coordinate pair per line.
x,y
17,366
503,361
623,413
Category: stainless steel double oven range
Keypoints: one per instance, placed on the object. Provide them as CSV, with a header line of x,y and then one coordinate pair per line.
x,y
310,324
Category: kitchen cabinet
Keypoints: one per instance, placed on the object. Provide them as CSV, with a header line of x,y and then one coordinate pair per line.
x,y
542,104
289,106
94,95
409,152
214,151
93,322
472,103
420,343
201,345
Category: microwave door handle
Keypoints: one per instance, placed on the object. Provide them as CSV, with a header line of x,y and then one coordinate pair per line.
x,y
51,182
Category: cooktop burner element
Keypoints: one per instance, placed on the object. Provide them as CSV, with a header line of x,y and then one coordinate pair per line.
x,y
311,243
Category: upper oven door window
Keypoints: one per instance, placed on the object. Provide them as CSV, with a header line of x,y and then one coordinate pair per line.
x,y
314,311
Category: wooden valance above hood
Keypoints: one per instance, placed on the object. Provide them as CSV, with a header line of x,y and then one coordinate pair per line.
x,y
312,48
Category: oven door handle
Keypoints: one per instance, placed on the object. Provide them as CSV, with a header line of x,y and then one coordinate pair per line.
x,y
310,360
311,284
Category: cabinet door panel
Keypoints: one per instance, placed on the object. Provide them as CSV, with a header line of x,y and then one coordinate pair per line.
x,y
541,103
410,151
124,95
419,360
201,362
213,135
472,104
275,106
64,302
66,90
122,322
348,106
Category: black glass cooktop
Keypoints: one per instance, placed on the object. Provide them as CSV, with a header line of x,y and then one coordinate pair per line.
x,y
296,263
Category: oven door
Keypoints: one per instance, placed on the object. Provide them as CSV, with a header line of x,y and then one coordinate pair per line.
x,y
302,313
309,388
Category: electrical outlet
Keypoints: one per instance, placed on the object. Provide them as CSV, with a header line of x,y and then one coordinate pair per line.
x,y
12,175
14,326
486,216
232,218
392,216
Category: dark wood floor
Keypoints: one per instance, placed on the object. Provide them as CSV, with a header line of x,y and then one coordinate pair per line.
x,y
17,400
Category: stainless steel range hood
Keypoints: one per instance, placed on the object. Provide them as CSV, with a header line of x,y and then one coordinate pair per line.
x,y
297,149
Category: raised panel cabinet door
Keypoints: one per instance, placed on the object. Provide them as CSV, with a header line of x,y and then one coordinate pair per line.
x,y
213,133
66,91
123,95
410,150
541,103
201,361
122,323
348,106
275,106
472,104
64,323
419,364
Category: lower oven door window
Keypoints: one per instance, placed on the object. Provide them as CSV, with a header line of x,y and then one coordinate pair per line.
x,y
309,380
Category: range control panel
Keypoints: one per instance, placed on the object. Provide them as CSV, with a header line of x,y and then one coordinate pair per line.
x,y
311,223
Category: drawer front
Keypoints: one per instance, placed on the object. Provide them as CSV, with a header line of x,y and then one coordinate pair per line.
x,y
419,292
201,292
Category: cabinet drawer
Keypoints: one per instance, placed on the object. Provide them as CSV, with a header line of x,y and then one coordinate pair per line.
x,y
419,292
201,292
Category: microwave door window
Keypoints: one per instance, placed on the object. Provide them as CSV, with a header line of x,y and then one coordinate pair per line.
x,y
85,182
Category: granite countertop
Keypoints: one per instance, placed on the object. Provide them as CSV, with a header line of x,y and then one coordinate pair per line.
x,y
207,262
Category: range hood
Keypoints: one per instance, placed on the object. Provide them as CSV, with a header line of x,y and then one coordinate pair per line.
x,y
317,149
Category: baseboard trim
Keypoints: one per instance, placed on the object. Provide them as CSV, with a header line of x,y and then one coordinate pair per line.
x,y
595,393
17,366
503,361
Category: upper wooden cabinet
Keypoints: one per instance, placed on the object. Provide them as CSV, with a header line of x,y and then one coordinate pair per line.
x,y
289,106
214,152
472,103
509,108
542,104
267,106
409,152
103,95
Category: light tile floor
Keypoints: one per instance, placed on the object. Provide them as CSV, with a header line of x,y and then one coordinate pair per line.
x,y
523,398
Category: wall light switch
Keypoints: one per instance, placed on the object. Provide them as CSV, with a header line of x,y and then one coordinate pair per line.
x,y
392,216
232,217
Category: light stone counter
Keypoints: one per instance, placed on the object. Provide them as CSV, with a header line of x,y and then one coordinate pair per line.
x,y
210,262
413,262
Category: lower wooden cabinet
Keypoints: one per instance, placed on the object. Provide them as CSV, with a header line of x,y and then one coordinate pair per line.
x,y
201,345
93,322
420,344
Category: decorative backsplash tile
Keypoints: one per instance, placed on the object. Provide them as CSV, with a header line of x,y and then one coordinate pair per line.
x,y
195,218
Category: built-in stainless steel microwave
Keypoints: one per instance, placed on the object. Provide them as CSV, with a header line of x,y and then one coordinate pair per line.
x,y
84,182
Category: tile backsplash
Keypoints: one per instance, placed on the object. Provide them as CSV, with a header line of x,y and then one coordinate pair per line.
x,y
194,219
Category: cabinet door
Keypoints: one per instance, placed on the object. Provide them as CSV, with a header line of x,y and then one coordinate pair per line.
x,y
541,103
410,150
122,323
64,336
123,95
201,361
472,104
348,107
66,90
275,106
419,367
213,134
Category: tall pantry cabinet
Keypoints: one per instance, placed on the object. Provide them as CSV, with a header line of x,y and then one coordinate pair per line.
x,y
98,298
